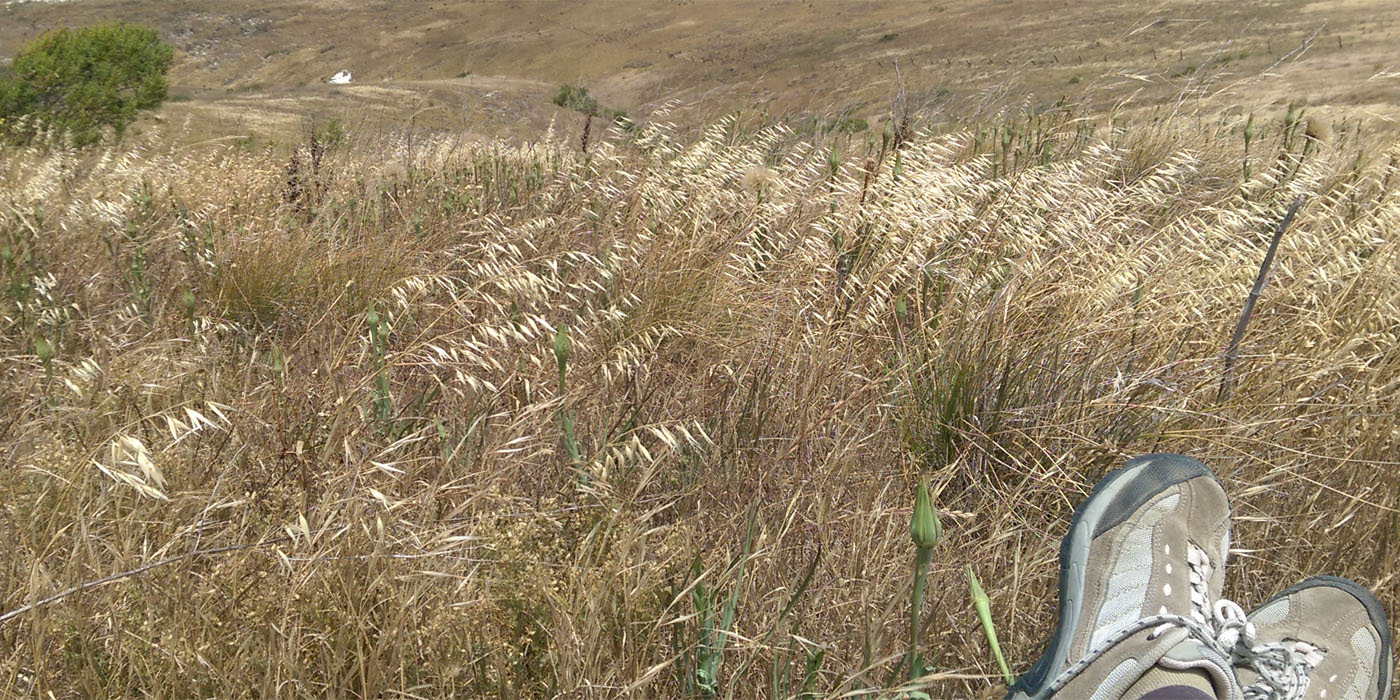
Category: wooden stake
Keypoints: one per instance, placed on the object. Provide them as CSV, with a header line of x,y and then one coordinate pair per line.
x,y
1227,379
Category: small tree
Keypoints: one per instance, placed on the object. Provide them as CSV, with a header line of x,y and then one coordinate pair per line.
x,y
81,80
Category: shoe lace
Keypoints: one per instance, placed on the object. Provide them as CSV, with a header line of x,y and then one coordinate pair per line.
x,y
1284,667
1199,570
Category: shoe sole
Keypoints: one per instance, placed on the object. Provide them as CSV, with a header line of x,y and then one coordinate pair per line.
x,y
1113,499
1374,610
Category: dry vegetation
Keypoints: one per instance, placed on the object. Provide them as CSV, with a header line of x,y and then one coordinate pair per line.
x,y
330,403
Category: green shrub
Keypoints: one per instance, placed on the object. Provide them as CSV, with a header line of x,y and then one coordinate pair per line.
x,y
851,125
576,98
331,133
81,80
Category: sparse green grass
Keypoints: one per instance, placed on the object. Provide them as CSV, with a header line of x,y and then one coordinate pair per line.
x,y
1215,62
770,342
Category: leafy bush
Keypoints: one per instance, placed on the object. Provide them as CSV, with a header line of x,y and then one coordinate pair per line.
x,y
81,80
331,133
851,125
576,98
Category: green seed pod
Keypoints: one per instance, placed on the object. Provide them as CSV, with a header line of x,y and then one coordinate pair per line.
x,y
1249,130
901,309
372,318
43,349
924,527
188,301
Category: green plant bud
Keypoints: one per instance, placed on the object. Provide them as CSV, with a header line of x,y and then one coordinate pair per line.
x,y
277,359
979,596
562,345
43,349
901,308
1249,129
983,605
372,318
188,301
924,527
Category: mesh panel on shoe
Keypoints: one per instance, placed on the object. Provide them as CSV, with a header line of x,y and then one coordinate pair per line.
x,y
1365,647
1127,583
1271,614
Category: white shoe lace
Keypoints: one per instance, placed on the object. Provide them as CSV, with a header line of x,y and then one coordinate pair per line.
x,y
1199,569
1283,667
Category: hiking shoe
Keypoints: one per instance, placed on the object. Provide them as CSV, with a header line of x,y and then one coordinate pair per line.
x,y
1140,569
1323,639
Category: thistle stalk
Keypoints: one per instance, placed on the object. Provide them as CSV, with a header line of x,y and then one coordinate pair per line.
x,y
44,351
921,561
382,399
189,302
562,346
925,530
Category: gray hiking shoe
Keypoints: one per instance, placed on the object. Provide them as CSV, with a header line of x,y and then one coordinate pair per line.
x,y
1140,570
1323,639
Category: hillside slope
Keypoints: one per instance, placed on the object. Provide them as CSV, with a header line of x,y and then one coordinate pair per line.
x,y
491,66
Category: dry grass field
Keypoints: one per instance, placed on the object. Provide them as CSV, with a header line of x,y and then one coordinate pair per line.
x,y
431,412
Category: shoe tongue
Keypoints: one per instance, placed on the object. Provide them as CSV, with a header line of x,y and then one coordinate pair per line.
x,y
1160,683
1178,665
1189,659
